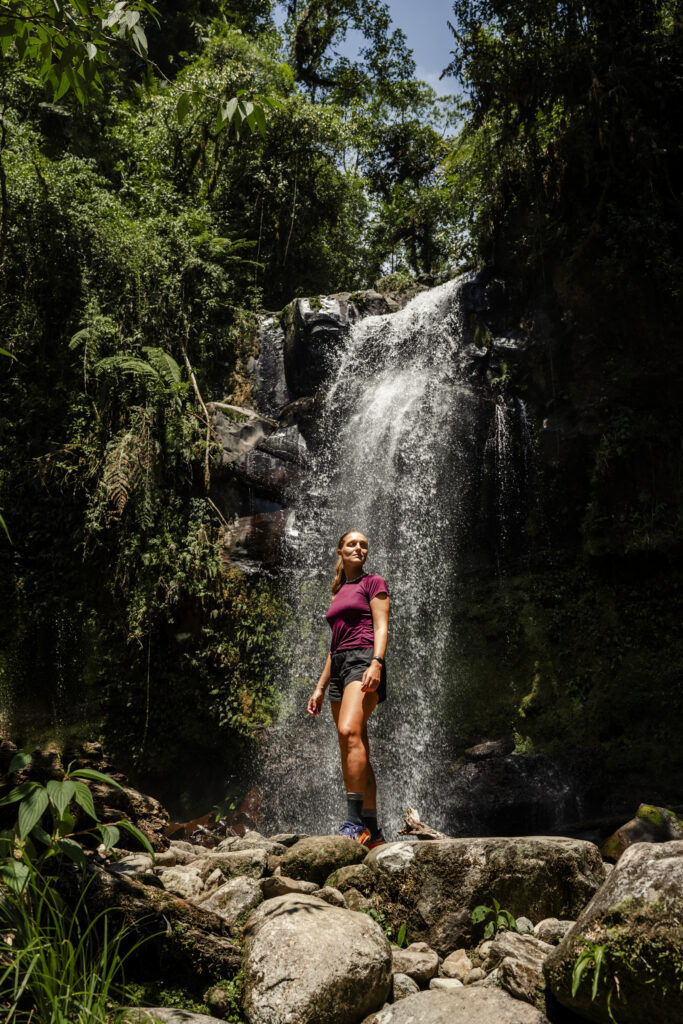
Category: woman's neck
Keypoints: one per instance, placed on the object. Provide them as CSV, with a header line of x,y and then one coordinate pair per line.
x,y
352,579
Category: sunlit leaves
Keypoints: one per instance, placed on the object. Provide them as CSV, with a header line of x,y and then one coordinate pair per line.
x,y
69,43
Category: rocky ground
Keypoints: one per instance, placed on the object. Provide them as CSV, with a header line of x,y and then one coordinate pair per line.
x,y
295,929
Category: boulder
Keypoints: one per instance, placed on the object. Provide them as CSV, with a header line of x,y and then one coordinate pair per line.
x,y
490,748
476,974
353,876
445,984
520,959
234,899
242,862
355,900
525,926
650,825
250,841
552,930
288,838
436,885
637,919
331,896
402,986
278,885
184,880
460,1006
417,960
315,858
134,865
311,963
456,965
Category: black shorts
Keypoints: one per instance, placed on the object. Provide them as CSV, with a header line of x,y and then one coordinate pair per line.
x,y
348,666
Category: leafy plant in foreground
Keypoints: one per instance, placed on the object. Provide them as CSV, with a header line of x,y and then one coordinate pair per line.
x,y
29,844
497,919
59,965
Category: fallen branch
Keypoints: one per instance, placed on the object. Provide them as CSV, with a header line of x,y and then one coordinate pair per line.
x,y
193,379
243,411
415,827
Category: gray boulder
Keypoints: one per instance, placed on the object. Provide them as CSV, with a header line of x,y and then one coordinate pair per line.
x,y
460,1006
637,919
315,858
520,959
402,986
445,984
436,885
456,965
353,876
310,963
552,930
183,880
250,841
234,899
417,960
331,895
252,863
278,885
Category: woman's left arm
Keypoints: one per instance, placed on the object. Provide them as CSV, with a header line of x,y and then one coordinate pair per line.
x,y
379,607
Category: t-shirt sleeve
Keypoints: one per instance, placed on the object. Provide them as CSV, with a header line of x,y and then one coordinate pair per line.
x,y
375,585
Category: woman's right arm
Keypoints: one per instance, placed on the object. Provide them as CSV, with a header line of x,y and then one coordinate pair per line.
x,y
315,704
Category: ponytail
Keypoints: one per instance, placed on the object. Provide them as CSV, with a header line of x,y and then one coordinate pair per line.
x,y
339,575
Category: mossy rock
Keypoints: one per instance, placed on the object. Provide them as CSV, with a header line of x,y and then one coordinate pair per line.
x,y
635,924
314,859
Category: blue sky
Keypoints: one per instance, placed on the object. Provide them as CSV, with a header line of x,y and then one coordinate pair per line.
x,y
424,23
430,39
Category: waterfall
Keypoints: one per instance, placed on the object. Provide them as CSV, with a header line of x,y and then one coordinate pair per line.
x,y
404,442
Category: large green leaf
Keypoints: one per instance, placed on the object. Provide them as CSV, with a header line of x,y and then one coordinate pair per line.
x,y
142,839
18,793
83,796
110,835
14,874
73,851
61,794
31,811
94,776
19,761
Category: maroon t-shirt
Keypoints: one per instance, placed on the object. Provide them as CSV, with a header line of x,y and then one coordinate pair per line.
x,y
349,615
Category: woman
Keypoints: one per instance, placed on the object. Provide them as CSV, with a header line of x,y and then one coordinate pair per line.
x,y
356,676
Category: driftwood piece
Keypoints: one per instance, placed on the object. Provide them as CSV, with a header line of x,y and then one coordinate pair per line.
x,y
415,827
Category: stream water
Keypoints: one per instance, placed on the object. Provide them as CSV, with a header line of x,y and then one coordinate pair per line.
x,y
411,447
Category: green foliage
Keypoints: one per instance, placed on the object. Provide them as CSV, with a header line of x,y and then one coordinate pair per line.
x,y
69,43
60,964
496,918
572,140
590,962
26,848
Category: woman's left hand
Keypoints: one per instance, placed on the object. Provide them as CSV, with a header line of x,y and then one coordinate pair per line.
x,y
371,677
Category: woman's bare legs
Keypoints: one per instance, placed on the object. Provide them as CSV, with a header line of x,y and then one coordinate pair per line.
x,y
351,715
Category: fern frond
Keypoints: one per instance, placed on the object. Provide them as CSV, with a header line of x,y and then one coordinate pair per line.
x,y
127,364
166,367
122,470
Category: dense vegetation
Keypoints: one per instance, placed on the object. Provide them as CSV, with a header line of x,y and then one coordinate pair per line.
x,y
140,233
146,222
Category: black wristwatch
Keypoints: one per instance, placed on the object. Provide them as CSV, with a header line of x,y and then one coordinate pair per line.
x,y
380,660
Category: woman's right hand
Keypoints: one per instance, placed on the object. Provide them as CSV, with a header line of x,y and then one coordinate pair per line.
x,y
315,704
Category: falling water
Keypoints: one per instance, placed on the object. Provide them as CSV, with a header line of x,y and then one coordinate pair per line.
x,y
404,445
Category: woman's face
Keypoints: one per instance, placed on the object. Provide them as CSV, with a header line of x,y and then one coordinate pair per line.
x,y
354,551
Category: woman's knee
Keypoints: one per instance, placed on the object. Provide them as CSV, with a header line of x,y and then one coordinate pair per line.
x,y
350,732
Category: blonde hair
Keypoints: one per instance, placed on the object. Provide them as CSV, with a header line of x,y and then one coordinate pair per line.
x,y
339,574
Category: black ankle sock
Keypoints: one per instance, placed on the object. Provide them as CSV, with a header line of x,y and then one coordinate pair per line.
x,y
354,803
370,820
